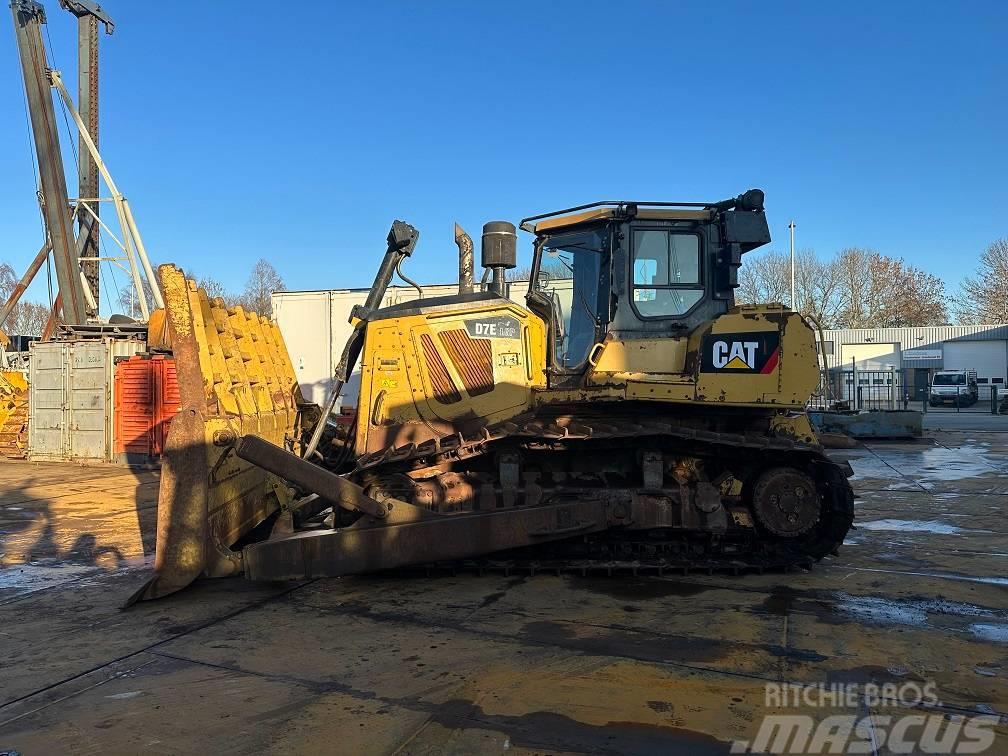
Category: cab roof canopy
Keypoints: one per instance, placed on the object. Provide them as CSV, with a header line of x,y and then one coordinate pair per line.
x,y
548,223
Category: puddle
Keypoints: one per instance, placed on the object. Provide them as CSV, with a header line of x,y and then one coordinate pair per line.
x,y
990,632
910,613
27,578
942,575
936,527
911,526
908,469
941,464
21,579
881,611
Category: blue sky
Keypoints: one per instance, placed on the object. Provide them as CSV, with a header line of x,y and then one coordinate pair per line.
x,y
297,132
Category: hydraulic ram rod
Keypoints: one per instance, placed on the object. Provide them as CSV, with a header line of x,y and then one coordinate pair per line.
x,y
308,476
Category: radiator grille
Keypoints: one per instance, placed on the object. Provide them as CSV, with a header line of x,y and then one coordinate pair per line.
x,y
473,359
444,389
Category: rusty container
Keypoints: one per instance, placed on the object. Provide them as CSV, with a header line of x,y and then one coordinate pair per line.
x,y
146,400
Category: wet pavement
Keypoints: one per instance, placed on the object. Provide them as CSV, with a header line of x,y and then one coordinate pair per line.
x,y
918,596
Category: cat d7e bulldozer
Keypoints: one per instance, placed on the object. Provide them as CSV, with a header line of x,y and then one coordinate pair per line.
x,y
630,416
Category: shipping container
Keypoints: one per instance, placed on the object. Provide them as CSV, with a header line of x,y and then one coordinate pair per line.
x,y
146,400
71,413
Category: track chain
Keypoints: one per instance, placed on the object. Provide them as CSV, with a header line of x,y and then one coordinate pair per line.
x,y
672,552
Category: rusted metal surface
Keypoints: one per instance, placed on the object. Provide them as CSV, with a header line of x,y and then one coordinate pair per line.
x,y
465,246
473,359
366,547
441,382
146,400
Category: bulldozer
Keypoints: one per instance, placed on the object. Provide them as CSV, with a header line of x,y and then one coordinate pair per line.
x,y
630,416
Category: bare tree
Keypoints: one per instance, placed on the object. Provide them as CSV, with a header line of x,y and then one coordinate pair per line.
x,y
215,289
858,288
32,318
983,297
885,292
766,277
128,301
262,282
551,270
27,318
818,287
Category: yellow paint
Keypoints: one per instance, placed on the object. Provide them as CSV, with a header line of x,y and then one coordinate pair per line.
x,y
794,425
249,386
620,359
394,368
398,396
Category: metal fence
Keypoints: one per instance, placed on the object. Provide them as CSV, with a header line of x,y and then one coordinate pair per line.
x,y
844,390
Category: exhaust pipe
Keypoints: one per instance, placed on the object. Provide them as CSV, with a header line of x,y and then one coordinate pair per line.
x,y
465,246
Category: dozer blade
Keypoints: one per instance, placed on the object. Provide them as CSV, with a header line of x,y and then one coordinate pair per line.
x,y
235,378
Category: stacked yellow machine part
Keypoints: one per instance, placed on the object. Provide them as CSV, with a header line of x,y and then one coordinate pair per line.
x,y
13,413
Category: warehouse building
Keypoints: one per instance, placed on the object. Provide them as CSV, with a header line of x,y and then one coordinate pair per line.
x,y
902,360
914,354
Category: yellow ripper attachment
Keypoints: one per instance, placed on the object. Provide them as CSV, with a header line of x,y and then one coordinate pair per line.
x,y
235,378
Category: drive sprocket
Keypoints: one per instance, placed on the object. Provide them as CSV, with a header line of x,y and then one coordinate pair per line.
x,y
786,502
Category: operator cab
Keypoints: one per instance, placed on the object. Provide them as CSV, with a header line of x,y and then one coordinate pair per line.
x,y
637,269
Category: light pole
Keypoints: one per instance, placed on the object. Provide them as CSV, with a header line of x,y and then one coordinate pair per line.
x,y
791,226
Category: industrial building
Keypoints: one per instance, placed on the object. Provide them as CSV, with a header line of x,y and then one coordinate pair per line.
x,y
914,354
315,326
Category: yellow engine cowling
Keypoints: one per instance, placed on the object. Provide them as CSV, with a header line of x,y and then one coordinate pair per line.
x,y
433,373
427,375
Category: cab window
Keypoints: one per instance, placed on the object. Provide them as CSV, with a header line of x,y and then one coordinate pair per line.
x,y
570,273
666,272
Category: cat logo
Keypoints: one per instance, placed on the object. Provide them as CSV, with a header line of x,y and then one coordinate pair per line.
x,y
740,352
735,355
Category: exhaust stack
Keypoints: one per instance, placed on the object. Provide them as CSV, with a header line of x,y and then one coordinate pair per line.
x,y
466,260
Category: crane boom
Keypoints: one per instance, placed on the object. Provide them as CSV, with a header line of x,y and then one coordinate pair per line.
x,y
28,17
